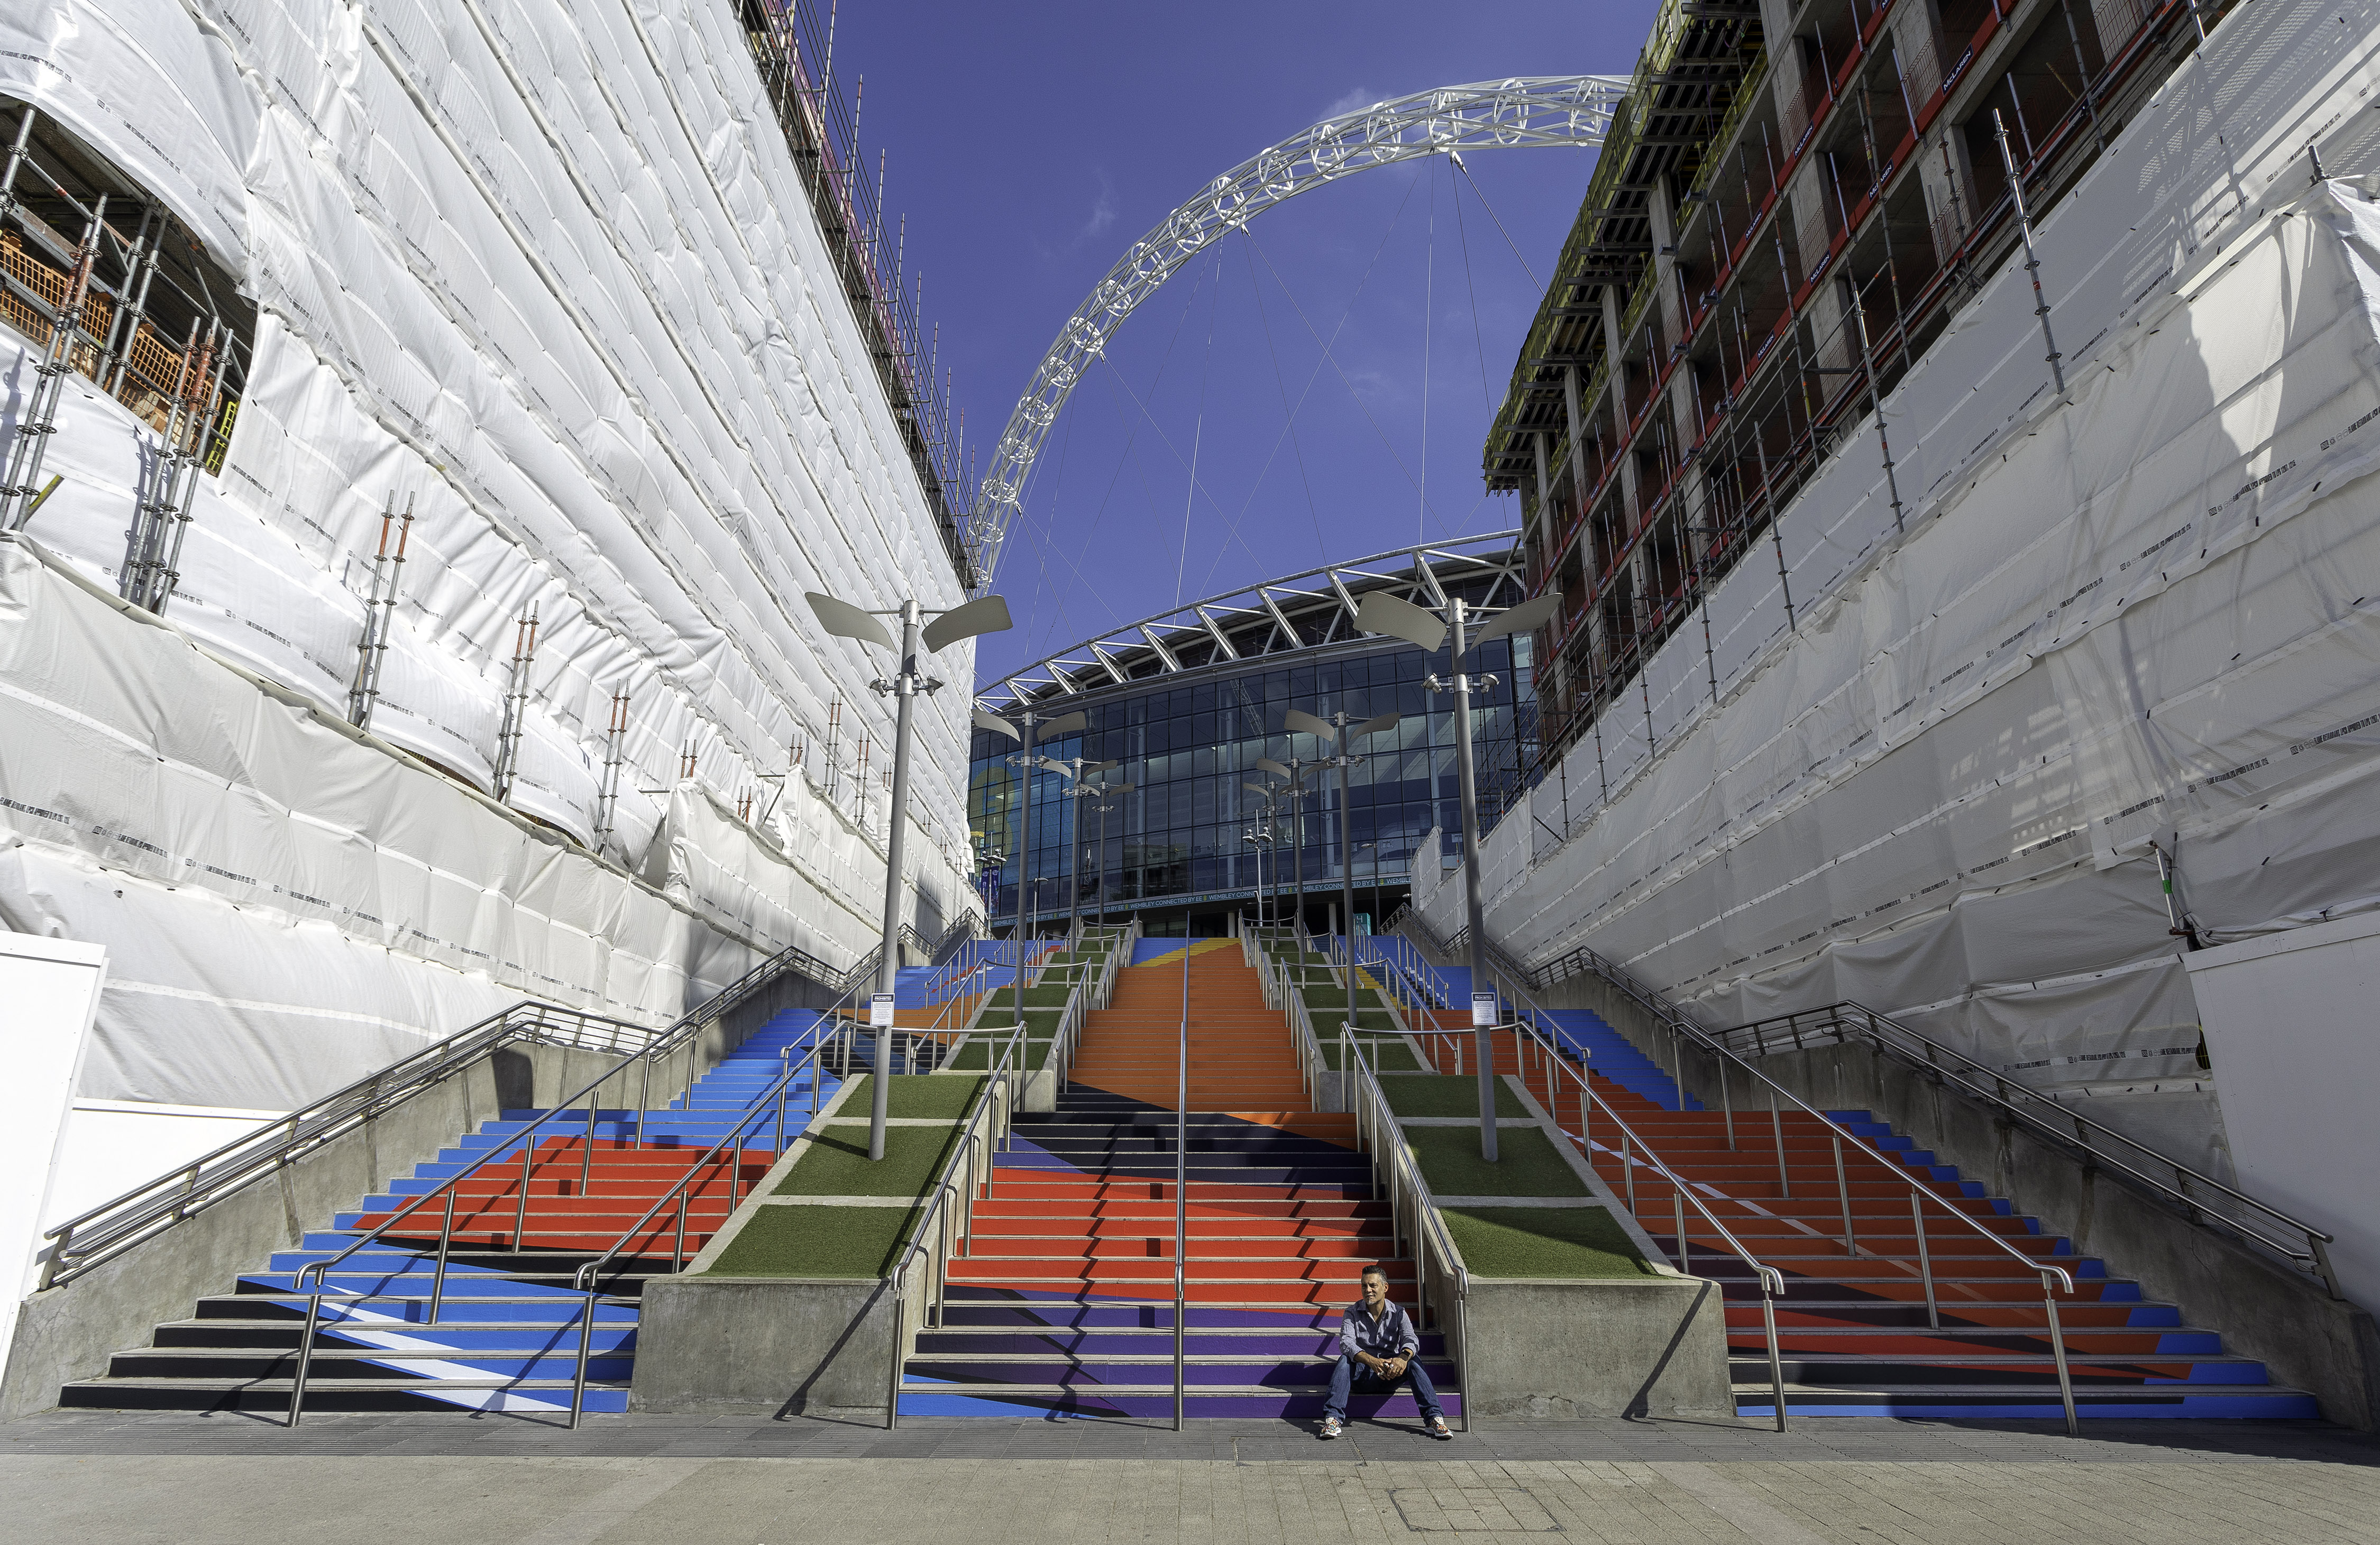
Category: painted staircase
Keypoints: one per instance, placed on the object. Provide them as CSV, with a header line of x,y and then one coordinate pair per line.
x,y
1063,1302
1853,1326
506,1335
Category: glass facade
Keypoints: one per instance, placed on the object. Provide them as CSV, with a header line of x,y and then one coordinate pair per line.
x,y
1190,743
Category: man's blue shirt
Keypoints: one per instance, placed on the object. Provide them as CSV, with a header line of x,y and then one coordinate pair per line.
x,y
1388,1335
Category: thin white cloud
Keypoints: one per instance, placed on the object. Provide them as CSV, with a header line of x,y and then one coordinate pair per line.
x,y
1360,97
1104,210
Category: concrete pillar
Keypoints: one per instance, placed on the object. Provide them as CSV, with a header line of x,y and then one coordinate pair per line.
x,y
1916,29
1835,348
1808,197
1578,487
1617,373
1785,69
1949,182
1542,521
1665,263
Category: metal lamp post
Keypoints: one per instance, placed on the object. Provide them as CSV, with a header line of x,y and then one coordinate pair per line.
x,y
1022,731
1110,799
1424,629
1266,837
1295,791
1075,770
1258,837
989,614
1325,729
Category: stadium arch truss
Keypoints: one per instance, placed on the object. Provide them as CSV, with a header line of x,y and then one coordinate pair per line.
x,y
1276,616
1533,111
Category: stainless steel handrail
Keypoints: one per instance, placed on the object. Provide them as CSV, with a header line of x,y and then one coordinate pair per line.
x,y
1772,1281
2199,1195
1375,1116
122,1222
770,1100
1550,1057
320,1270
970,1142
1182,1193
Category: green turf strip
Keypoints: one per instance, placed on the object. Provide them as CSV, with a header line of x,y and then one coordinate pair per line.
x,y
1527,1165
985,1048
1544,1242
1394,1054
837,1163
817,1242
907,1096
1448,1094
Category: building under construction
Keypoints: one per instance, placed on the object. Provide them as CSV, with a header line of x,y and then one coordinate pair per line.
x,y
413,468
1945,431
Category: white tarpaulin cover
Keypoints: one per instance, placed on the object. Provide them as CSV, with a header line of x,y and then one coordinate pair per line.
x,y
2143,612
545,271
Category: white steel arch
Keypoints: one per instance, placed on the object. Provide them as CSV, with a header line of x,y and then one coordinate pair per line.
x,y
1539,109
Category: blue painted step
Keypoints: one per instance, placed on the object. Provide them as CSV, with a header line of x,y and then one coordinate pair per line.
x,y
507,1335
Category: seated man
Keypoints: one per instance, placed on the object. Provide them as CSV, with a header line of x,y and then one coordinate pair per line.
x,y
1378,1349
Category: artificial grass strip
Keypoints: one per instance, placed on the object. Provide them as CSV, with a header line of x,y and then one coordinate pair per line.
x,y
817,1242
985,1049
912,1096
837,1163
1393,1055
1528,1163
1449,1094
1575,1242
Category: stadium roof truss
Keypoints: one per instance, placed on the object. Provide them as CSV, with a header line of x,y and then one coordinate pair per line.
x,y
1540,110
1278,617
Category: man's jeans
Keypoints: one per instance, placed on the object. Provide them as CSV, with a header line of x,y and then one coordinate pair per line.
x,y
1352,1376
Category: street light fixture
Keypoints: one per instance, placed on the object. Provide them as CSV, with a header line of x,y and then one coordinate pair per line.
x,y
1111,798
1271,795
1295,791
1426,631
1077,768
1337,725
1022,730
988,614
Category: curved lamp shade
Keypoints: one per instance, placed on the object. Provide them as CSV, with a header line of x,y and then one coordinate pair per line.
x,y
989,614
1418,626
1303,723
1527,617
996,725
846,620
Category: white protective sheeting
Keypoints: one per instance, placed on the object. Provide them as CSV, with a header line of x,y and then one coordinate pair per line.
x,y
545,271
288,904
2145,610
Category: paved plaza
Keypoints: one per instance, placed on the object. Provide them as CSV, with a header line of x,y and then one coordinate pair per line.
x,y
106,1478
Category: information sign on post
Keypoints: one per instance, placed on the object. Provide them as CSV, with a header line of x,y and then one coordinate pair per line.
x,y
1483,1010
879,1010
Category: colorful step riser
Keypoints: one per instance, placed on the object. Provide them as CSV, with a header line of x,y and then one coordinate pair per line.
x,y
1088,1404
509,1331
1991,1357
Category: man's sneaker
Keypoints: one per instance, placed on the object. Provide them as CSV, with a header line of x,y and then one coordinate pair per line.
x,y
1437,1428
1331,1428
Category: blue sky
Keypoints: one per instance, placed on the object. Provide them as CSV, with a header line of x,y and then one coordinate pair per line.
x,y
1029,145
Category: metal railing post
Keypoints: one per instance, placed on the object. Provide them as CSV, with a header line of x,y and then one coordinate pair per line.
x,y
579,1378
2057,1350
1776,1363
1776,1125
305,1344
438,1278
1924,1258
1843,1195
1727,1103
